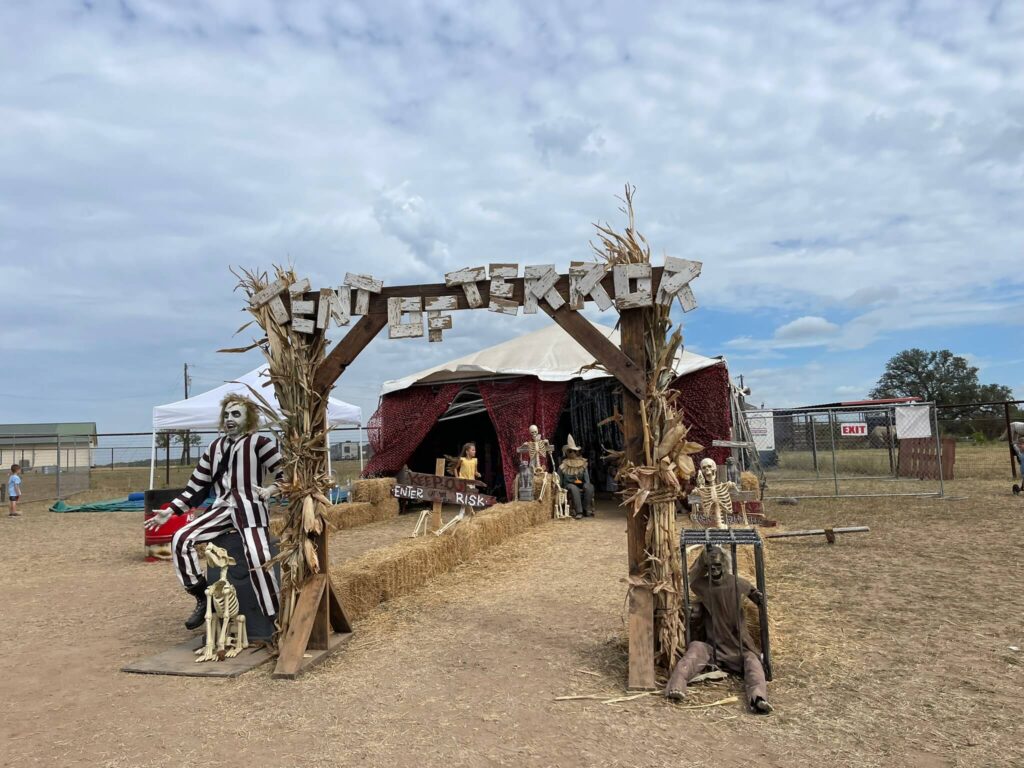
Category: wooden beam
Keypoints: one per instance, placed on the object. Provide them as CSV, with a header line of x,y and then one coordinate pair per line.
x,y
348,349
597,343
294,643
641,657
378,302
641,639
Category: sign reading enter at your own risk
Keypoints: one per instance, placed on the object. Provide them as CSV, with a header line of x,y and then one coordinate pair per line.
x,y
854,429
452,490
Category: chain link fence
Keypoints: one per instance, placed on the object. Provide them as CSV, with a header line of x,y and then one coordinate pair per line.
x,y
111,465
851,451
983,432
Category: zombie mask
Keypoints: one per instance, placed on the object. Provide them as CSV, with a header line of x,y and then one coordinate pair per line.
x,y
235,418
716,563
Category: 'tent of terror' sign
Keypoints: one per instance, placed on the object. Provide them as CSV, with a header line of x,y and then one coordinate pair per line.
x,y
451,490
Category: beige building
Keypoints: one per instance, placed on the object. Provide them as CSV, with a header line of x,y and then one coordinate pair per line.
x,y
44,447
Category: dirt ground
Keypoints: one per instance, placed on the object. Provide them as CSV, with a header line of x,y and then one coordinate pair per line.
x,y
892,648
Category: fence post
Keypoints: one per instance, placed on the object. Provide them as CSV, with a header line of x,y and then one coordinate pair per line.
x,y
832,437
814,442
938,449
890,439
359,439
167,463
58,466
1009,440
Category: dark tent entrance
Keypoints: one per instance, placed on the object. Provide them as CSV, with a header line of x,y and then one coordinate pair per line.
x,y
420,424
465,421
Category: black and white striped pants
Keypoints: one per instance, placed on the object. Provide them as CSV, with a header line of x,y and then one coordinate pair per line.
x,y
208,526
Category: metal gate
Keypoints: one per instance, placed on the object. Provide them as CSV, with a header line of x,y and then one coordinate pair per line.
x,y
851,451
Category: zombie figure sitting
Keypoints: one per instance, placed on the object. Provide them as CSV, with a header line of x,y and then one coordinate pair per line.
x,y
719,636
232,470
575,478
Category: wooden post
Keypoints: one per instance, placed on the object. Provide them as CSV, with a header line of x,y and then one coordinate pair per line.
x,y
641,610
1009,439
435,518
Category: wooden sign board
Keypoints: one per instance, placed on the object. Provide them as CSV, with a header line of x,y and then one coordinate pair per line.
x,y
451,490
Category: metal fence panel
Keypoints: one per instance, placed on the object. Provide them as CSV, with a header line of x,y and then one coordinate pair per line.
x,y
844,452
111,465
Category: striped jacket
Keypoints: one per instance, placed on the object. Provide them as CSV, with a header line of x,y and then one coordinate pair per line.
x,y
249,460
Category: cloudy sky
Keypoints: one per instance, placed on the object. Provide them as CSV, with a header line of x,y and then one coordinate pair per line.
x,y
850,173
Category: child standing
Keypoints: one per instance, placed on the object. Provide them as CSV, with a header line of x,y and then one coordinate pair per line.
x,y
14,489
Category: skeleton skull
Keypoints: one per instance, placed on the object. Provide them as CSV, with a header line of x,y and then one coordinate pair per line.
x,y
709,470
235,418
534,432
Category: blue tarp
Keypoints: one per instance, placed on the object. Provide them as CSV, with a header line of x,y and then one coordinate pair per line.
x,y
135,502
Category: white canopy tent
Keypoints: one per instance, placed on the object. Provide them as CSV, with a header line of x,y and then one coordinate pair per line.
x,y
550,354
202,412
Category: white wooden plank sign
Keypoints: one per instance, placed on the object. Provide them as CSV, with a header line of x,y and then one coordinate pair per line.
x,y
632,286
405,307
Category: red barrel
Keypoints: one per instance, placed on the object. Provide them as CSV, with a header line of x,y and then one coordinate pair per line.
x,y
158,540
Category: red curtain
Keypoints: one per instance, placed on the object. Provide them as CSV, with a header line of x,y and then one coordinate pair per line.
x,y
513,406
401,422
704,397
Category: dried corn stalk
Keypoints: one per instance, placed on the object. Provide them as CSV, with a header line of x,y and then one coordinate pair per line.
x,y
668,465
293,359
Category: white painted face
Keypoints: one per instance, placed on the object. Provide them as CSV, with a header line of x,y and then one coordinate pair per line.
x,y
534,432
235,419
709,469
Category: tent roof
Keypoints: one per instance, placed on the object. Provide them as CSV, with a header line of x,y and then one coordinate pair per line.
x,y
203,411
550,354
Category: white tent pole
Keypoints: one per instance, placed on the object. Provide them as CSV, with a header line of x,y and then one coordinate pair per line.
x,y
359,437
152,461
327,440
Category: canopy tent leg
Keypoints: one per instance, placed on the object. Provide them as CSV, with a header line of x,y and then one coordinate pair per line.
x,y
152,461
327,441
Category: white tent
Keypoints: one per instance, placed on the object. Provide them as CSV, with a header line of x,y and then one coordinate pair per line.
x,y
203,411
550,354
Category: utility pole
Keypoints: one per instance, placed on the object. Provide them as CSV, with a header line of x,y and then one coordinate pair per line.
x,y
187,437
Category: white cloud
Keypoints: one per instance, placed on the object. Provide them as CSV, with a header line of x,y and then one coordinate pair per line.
x,y
856,162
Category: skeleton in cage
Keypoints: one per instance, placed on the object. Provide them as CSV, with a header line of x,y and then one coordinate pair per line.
x,y
225,624
715,497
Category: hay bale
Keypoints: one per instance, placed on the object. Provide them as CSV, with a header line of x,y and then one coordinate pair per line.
x,y
382,574
748,481
341,516
373,491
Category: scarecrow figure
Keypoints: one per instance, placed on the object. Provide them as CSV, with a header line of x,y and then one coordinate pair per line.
x,y
719,635
575,479
232,470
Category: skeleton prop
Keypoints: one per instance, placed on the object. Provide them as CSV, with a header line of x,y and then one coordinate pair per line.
x,y
225,624
715,497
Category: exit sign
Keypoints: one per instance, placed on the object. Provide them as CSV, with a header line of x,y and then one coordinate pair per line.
x,y
854,429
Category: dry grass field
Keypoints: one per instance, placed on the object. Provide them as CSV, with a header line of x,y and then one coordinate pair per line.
x,y
895,648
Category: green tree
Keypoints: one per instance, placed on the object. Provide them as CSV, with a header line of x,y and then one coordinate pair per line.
x,y
946,379
940,376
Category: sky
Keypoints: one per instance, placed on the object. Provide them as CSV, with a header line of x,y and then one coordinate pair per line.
x,y
849,173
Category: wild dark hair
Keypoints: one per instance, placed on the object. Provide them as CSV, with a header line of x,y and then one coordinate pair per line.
x,y
465,449
252,413
15,467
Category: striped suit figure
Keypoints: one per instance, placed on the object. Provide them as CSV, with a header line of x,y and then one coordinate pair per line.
x,y
232,469
240,466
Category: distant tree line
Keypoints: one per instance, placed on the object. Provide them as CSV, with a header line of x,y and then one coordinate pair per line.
x,y
947,379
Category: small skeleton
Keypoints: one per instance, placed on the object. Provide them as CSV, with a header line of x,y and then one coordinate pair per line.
x,y
225,624
715,497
